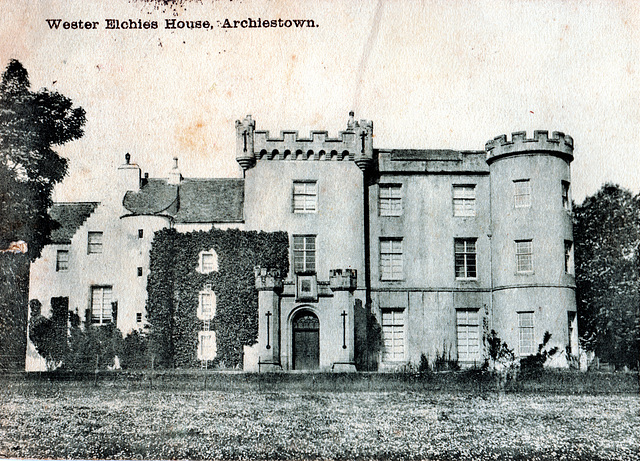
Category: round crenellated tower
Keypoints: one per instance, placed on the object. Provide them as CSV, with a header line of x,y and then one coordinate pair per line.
x,y
533,281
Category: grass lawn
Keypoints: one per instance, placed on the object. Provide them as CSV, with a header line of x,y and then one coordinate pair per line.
x,y
124,421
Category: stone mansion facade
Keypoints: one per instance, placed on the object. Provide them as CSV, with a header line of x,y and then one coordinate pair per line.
x,y
424,251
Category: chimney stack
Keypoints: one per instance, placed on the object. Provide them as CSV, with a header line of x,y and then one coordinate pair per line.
x,y
128,175
174,175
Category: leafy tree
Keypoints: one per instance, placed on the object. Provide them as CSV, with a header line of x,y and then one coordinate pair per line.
x,y
607,235
31,123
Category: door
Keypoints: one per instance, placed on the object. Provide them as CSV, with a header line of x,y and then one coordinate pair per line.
x,y
306,342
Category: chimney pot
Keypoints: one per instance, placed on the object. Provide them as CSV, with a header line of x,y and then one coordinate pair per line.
x,y
127,158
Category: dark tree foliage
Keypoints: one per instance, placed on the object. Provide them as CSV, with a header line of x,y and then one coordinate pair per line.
x,y
31,123
14,285
174,284
606,238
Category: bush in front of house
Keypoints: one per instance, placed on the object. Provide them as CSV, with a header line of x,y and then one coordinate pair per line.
x,y
66,346
536,362
134,353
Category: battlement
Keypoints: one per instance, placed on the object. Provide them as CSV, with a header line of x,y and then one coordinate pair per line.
x,y
267,279
343,279
355,144
559,144
319,145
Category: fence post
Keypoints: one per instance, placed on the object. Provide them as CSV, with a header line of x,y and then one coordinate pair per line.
x,y
95,376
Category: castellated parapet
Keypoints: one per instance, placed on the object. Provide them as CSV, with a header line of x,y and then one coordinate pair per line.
x,y
343,279
267,279
355,144
559,144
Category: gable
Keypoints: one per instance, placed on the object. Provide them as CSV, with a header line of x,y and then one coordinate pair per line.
x,y
69,216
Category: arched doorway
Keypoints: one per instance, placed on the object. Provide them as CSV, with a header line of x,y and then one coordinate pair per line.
x,y
306,341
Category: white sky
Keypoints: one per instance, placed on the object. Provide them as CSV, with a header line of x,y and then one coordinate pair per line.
x,y
436,74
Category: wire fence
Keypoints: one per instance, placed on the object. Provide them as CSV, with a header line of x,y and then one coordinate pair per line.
x,y
474,381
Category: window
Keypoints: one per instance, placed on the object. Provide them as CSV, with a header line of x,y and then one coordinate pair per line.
x,y
391,259
464,200
304,253
465,258
566,200
206,304
94,245
207,345
139,317
525,330
522,193
571,319
101,307
390,200
305,197
139,271
207,261
468,334
393,335
524,256
568,256
62,260
140,233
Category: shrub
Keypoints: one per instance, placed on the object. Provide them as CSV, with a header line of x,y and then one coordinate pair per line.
x,y
497,350
48,335
444,360
134,354
537,361
93,348
424,366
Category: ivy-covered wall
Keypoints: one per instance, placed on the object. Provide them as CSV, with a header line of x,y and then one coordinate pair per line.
x,y
174,284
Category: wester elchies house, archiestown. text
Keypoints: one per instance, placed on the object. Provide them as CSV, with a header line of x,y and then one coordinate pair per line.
x,y
420,252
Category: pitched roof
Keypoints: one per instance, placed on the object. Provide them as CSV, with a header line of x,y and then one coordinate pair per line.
x,y
70,216
154,197
211,200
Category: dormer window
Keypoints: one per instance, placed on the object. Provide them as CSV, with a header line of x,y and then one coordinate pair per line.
x,y
207,262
